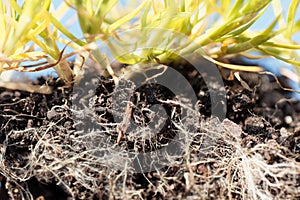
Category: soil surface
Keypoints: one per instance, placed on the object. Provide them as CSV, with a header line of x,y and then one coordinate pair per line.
x,y
54,146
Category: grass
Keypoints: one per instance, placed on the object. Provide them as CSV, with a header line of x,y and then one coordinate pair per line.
x,y
32,32
221,28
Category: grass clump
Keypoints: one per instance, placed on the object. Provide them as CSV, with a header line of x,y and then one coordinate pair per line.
x,y
219,160
220,28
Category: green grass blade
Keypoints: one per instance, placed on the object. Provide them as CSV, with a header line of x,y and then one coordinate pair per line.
x,y
234,12
145,15
255,41
31,13
276,54
62,29
282,45
127,17
239,30
277,8
105,7
291,17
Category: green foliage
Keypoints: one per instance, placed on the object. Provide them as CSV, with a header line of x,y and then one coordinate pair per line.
x,y
220,27
26,24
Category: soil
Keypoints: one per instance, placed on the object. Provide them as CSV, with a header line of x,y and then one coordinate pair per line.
x,y
46,153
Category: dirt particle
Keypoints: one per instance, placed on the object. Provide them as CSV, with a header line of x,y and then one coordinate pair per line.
x,y
288,119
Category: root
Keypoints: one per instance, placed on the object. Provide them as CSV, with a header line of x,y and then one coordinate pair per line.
x,y
218,159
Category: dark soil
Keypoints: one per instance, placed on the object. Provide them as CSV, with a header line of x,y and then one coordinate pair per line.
x,y
262,110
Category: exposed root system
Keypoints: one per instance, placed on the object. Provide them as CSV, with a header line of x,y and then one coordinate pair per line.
x,y
64,145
